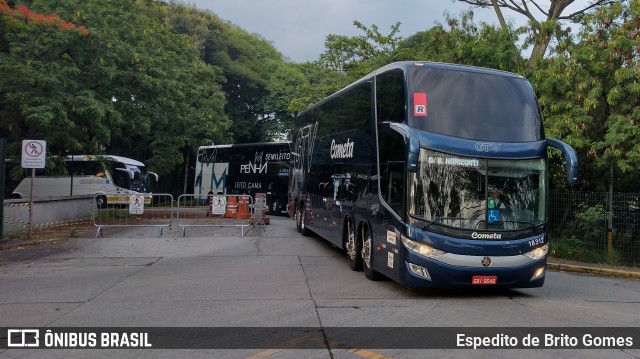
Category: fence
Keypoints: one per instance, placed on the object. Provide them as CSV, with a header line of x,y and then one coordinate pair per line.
x,y
582,227
190,210
142,211
219,211
47,213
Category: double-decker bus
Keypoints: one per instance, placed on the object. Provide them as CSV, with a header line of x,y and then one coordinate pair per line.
x,y
111,178
246,168
431,174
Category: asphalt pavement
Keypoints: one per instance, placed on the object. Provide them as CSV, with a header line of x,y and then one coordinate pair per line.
x,y
555,264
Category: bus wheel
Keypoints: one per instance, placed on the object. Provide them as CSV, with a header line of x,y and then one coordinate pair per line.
x,y
353,247
275,208
101,201
303,223
367,255
298,216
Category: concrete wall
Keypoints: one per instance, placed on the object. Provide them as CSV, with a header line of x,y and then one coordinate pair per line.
x,y
47,211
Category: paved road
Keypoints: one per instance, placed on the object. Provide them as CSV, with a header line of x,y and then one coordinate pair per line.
x,y
216,278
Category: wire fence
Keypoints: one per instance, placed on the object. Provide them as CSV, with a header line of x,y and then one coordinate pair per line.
x,y
588,227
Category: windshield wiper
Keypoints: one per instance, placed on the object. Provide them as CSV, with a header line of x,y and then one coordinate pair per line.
x,y
440,219
538,226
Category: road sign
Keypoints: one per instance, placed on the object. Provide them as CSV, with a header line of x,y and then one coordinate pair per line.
x,y
33,153
136,204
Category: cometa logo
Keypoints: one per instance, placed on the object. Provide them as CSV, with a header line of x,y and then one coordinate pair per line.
x,y
341,150
476,235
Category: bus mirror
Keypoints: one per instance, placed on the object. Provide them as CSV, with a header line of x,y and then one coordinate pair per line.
x,y
571,167
155,175
131,176
412,145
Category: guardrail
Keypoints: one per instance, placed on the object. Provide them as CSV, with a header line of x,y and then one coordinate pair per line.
x,y
219,211
141,211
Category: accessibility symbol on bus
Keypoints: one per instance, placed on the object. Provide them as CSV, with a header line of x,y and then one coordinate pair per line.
x,y
493,216
136,204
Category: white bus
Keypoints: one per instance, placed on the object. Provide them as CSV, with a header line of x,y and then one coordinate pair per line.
x,y
112,178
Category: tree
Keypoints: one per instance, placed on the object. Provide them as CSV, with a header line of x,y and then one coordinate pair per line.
x,y
257,78
358,55
541,31
462,41
590,93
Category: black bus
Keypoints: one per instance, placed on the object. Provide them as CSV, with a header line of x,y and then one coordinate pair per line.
x,y
248,168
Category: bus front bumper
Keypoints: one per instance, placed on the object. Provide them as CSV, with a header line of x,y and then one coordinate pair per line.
x,y
420,272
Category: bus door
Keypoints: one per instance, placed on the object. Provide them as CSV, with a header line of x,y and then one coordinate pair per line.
x,y
385,244
393,186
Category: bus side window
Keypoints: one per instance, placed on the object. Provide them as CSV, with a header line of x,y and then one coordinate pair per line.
x,y
121,179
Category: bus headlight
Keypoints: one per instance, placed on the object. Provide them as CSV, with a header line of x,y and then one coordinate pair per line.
x,y
421,249
537,253
537,274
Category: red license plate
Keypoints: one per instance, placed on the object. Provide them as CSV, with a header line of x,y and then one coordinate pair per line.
x,y
484,279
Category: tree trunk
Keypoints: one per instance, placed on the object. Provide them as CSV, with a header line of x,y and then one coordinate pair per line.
x,y
503,23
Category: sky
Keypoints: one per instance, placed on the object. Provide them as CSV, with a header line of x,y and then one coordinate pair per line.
x,y
298,28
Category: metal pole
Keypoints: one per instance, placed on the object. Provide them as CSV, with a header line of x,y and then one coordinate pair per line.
x,y
33,175
2,180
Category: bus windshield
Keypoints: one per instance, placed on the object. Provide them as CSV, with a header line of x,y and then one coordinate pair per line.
x,y
131,176
477,193
474,105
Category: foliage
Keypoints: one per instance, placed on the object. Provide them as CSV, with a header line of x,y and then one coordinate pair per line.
x,y
591,221
153,80
589,93
358,55
461,41
136,78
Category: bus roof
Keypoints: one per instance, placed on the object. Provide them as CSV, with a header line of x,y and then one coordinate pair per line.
x,y
109,157
404,65
255,144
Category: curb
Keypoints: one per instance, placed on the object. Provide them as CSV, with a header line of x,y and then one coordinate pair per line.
x,y
593,270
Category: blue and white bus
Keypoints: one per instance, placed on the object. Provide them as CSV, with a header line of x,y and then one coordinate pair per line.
x,y
431,174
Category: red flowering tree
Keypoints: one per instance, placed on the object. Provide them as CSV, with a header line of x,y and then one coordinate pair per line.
x,y
20,15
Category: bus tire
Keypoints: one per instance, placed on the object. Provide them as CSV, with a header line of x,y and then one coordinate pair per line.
x,y
298,217
303,223
367,255
101,202
275,208
352,246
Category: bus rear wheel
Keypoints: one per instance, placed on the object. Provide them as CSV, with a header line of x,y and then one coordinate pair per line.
x,y
303,223
367,255
298,217
353,247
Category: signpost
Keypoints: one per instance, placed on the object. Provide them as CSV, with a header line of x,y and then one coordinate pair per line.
x,y
33,156
218,205
136,204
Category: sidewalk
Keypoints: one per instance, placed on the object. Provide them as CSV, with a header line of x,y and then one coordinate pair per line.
x,y
563,265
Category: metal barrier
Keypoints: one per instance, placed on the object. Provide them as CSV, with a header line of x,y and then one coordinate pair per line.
x,y
142,211
216,211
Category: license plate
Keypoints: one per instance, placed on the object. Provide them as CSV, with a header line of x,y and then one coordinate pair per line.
x,y
484,279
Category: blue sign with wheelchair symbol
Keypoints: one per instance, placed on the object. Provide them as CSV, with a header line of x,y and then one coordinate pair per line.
x,y
493,215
